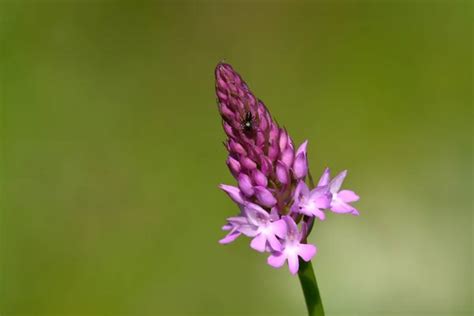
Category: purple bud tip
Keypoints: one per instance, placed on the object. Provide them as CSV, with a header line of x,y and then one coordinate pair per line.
x,y
245,184
265,197
259,178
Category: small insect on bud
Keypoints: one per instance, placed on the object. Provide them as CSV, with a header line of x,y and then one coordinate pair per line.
x,y
248,122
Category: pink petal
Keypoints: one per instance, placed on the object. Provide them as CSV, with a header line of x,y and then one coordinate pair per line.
x,y
300,166
320,192
293,263
233,192
230,237
323,201
302,148
339,206
324,180
255,214
276,260
319,214
292,228
248,230
274,214
237,220
274,243
279,228
336,182
259,242
301,189
306,251
348,196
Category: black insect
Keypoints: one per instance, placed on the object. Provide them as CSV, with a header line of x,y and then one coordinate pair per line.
x,y
247,122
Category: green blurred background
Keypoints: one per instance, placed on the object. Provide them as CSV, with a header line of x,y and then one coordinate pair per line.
x,y
111,153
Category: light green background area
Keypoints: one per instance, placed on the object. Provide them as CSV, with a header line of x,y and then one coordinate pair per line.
x,y
111,153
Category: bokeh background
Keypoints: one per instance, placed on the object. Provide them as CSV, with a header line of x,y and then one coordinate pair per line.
x,y
111,153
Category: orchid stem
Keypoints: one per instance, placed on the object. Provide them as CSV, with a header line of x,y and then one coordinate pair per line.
x,y
310,289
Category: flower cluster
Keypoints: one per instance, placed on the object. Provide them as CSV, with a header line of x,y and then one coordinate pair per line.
x,y
277,208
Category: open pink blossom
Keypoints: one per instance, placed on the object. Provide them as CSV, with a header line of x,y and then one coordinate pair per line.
x,y
311,203
340,199
292,248
255,222
264,228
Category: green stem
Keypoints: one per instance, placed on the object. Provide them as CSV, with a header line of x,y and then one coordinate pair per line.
x,y
310,289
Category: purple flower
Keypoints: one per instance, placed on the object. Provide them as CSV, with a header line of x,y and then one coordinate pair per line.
x,y
311,203
264,228
255,222
340,199
292,248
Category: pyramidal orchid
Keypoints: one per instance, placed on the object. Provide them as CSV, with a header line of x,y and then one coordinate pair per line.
x,y
275,194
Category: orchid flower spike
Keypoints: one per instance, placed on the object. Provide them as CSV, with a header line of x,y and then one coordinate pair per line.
x,y
271,191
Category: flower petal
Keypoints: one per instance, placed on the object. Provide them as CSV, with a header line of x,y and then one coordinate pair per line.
x,y
339,206
230,237
248,230
237,220
233,192
273,242
292,228
348,196
302,148
279,228
301,189
336,182
319,214
276,260
306,251
259,242
256,214
319,192
293,263
323,201
325,177
300,166
227,227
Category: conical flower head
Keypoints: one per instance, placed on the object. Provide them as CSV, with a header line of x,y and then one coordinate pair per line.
x,y
261,153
